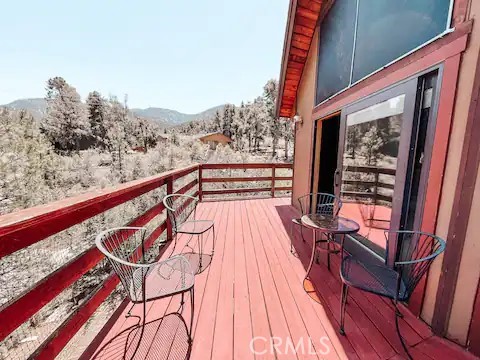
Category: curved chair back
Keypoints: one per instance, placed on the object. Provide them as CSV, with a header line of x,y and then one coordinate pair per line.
x,y
124,247
415,254
179,207
320,203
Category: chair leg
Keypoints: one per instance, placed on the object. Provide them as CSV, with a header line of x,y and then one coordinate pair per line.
x,y
343,307
192,303
213,245
174,244
301,233
291,234
402,341
200,246
142,330
328,253
397,310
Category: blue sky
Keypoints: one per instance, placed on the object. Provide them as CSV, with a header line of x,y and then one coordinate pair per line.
x,y
184,55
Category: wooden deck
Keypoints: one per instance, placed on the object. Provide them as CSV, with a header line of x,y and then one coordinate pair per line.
x,y
252,289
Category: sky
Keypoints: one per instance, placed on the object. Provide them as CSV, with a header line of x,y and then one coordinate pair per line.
x,y
185,55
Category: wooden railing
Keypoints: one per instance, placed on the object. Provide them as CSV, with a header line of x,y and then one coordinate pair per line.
x,y
375,184
272,179
26,227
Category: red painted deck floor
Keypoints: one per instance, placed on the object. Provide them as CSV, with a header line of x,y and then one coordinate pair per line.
x,y
251,297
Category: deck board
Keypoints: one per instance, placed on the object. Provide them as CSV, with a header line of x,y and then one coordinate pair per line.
x,y
253,290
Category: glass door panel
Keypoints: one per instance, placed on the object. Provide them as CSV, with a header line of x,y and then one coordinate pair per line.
x,y
372,162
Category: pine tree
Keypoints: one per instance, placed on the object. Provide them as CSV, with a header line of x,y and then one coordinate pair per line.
x,y
239,126
27,163
259,117
96,109
218,121
65,124
249,118
116,136
287,134
227,119
371,144
146,133
270,93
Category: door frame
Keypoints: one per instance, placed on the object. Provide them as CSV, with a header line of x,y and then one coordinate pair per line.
x,y
409,89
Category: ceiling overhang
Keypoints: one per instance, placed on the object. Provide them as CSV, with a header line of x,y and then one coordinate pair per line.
x,y
302,20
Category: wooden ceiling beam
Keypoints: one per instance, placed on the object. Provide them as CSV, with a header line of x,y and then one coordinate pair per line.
x,y
300,45
299,52
304,21
303,30
302,38
295,65
309,14
315,5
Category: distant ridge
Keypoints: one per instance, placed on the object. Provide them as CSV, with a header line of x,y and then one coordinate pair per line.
x,y
36,106
164,117
173,117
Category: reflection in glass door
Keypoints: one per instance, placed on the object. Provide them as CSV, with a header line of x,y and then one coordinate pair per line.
x,y
372,162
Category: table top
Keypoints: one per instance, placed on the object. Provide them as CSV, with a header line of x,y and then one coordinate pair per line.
x,y
329,223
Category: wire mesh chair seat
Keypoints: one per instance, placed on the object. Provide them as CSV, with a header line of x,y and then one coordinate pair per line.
x,y
318,203
142,279
195,227
377,279
416,252
165,278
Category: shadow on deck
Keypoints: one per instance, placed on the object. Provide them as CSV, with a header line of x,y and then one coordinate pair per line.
x,y
250,303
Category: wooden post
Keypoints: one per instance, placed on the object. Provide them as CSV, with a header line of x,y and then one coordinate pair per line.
x,y
200,184
169,223
273,180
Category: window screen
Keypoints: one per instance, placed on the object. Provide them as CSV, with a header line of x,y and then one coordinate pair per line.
x,y
384,30
388,29
336,48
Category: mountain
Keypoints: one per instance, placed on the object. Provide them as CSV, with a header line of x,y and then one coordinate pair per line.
x,y
173,117
163,117
36,106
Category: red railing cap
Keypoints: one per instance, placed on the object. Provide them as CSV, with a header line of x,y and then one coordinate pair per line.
x,y
27,217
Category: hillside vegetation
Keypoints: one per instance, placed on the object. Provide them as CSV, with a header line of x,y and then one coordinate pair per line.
x,y
79,146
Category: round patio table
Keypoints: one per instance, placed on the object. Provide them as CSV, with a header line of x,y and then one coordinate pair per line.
x,y
331,226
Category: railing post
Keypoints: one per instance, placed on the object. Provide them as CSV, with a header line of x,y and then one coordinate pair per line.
x,y
169,223
273,180
200,184
375,186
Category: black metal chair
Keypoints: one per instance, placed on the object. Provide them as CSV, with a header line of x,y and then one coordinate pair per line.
x,y
180,208
124,247
416,252
318,203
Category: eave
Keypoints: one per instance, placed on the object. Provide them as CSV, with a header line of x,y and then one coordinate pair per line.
x,y
301,23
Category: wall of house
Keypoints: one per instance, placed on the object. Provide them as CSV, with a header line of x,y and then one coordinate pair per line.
x,y
470,264
469,271
304,131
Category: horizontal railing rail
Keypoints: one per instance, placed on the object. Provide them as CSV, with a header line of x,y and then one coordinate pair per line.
x,y
272,179
374,184
24,228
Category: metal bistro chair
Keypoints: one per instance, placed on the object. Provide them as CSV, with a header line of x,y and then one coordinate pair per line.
x,y
124,248
179,208
326,204
416,253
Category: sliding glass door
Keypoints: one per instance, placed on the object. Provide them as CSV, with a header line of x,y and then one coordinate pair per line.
x,y
375,141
